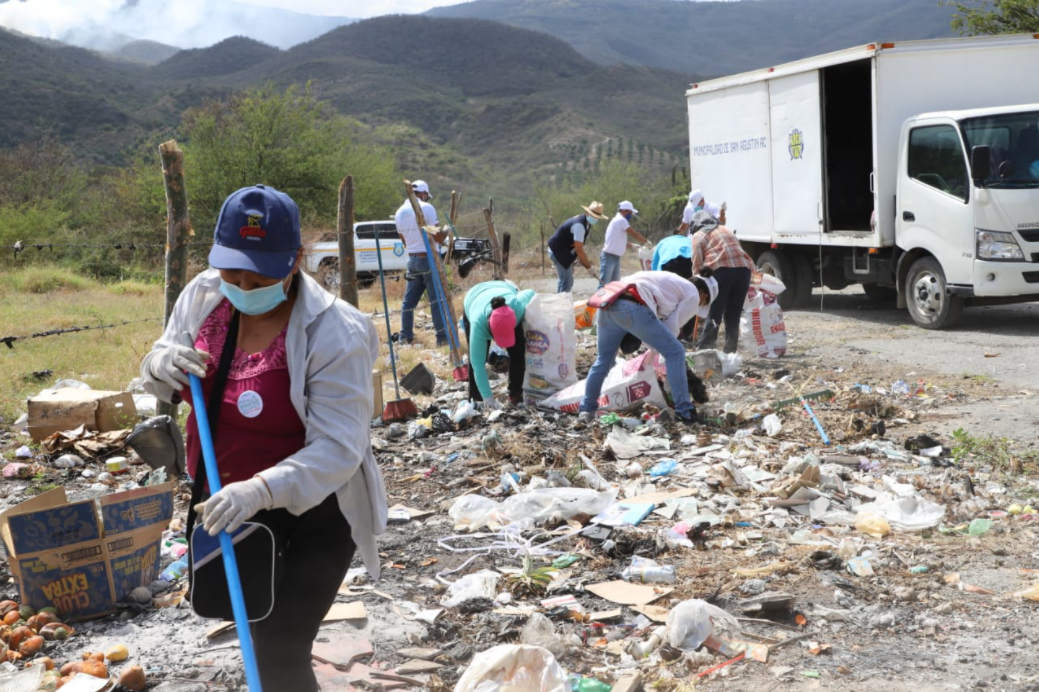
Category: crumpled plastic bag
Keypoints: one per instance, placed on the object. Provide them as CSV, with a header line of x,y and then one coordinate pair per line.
x,y
513,668
475,511
476,585
158,441
624,445
691,622
539,631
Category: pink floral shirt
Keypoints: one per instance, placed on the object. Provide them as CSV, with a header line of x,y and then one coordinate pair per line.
x,y
258,425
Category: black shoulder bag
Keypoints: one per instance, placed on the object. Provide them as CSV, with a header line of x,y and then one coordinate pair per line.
x,y
258,554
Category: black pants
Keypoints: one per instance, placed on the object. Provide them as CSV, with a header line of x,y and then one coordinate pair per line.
x,y
318,551
517,364
733,283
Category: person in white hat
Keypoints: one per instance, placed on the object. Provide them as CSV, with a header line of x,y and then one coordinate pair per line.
x,y
616,243
566,246
418,271
696,203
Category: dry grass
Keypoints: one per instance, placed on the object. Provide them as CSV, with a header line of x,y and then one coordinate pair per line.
x,y
41,299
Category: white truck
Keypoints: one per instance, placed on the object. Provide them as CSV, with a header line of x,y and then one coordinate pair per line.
x,y
910,168
322,258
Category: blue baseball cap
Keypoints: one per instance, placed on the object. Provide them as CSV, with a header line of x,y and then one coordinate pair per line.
x,y
257,230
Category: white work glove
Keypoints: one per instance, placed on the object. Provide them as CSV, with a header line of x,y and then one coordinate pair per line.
x,y
169,364
491,404
234,504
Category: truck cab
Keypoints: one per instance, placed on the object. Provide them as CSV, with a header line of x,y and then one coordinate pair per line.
x,y
967,211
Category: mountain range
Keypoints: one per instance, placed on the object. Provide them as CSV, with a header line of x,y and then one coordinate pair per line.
x,y
483,103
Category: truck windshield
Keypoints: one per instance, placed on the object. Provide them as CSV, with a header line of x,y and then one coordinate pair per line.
x,y
1013,139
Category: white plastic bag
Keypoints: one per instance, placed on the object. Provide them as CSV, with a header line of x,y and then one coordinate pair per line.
x,y
691,622
646,258
539,505
539,631
513,668
762,329
629,384
551,353
476,585
475,512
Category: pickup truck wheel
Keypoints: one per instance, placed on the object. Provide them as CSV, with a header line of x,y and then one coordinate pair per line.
x,y
328,274
793,272
929,303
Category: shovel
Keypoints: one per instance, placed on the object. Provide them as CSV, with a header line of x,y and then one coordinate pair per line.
x,y
398,409
234,581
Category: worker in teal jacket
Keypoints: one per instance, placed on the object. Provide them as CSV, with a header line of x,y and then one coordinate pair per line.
x,y
495,310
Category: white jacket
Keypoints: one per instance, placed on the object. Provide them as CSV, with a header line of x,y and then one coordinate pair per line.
x,y
331,348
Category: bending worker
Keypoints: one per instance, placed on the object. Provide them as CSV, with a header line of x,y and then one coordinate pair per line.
x,y
419,277
566,245
696,203
495,310
716,247
653,308
290,422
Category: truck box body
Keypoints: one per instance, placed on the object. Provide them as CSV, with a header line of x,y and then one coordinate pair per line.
x,y
788,146
804,153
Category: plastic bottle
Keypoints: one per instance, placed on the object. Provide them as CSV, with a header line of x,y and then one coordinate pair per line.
x,y
663,468
650,574
643,649
579,684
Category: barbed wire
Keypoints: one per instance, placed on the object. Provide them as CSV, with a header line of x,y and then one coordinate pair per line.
x,y
22,246
9,340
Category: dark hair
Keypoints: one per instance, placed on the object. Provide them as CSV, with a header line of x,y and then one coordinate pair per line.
x,y
699,282
497,302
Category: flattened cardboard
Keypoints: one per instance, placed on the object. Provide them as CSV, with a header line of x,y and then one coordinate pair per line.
x,y
624,593
54,410
67,556
134,521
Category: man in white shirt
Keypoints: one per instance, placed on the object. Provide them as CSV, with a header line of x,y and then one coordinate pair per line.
x,y
696,203
418,272
616,242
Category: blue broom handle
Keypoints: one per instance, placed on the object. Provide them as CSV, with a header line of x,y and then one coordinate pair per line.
x,y
234,581
438,289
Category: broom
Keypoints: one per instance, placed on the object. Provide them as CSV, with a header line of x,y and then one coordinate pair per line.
x,y
398,409
234,581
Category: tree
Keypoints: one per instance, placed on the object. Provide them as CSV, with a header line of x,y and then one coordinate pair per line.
x,y
980,17
288,140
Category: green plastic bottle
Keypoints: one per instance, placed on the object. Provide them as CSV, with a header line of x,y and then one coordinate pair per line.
x,y
579,684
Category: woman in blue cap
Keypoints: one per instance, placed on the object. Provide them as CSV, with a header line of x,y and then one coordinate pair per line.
x,y
292,433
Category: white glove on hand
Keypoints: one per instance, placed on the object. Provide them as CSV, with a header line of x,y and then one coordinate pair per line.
x,y
491,405
234,504
169,365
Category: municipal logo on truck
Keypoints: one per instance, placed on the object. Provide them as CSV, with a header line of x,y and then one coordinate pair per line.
x,y
795,145
398,249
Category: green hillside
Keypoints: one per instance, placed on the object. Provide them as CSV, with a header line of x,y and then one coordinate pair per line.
x,y
713,38
465,102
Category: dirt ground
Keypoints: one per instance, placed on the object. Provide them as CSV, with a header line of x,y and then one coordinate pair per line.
x,y
954,623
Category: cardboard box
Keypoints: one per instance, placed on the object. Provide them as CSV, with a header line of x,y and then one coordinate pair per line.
x,y
54,410
65,555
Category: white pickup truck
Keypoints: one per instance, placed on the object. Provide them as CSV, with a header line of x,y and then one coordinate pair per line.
x,y
322,258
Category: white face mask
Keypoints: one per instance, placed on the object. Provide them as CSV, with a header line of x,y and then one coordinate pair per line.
x,y
591,220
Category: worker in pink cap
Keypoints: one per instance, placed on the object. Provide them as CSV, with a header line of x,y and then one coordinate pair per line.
x,y
494,310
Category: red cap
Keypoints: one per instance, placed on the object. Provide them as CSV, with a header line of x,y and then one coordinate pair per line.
x,y
503,326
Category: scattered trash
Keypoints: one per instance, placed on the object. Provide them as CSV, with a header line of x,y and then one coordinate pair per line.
x,y
691,622
420,380
663,468
511,668
647,571
771,425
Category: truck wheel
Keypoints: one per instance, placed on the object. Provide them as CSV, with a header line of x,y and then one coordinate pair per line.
x,y
879,293
793,271
328,274
930,306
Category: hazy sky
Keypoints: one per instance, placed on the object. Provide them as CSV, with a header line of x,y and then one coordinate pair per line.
x,y
354,8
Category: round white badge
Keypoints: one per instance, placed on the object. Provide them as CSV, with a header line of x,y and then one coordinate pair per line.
x,y
250,404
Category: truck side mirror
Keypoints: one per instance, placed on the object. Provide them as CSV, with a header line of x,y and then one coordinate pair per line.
x,y
980,162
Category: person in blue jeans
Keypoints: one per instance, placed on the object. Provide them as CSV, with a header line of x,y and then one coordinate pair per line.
x,y
653,309
419,277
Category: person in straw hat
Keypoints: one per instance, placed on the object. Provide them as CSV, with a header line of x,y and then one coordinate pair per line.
x,y
566,245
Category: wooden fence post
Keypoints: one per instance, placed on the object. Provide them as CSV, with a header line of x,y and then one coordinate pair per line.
x,y
178,233
345,229
453,216
496,273
506,242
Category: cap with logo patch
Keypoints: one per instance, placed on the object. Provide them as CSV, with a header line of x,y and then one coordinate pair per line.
x,y
257,230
